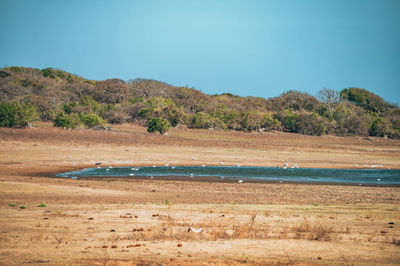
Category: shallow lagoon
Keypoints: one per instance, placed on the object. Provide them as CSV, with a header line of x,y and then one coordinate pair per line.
x,y
277,174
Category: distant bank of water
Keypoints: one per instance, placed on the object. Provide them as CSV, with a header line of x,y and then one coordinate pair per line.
x,y
314,175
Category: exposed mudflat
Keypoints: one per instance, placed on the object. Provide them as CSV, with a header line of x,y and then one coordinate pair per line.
x,y
125,221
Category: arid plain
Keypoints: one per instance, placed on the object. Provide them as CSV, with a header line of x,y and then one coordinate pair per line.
x,y
50,221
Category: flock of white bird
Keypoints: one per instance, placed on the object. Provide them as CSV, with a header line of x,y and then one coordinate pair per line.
x,y
285,166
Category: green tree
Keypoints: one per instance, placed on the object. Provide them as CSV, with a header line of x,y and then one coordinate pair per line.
x,y
366,99
15,114
380,127
289,122
158,124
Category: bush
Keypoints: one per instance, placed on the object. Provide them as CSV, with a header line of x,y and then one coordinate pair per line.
x,y
158,124
15,114
67,121
204,120
250,121
366,99
93,121
227,116
289,122
311,124
380,127
116,116
269,123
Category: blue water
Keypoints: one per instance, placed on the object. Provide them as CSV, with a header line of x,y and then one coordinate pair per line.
x,y
351,176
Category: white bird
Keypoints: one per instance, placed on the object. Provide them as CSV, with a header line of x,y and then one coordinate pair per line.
x,y
173,167
379,179
204,165
191,229
240,181
166,164
151,177
237,164
107,169
294,166
154,166
131,174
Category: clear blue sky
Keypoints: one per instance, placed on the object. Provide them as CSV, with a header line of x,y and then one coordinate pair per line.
x,y
247,47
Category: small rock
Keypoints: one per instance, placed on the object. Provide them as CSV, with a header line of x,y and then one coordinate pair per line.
x,y
179,245
319,258
114,246
390,222
112,230
91,218
105,246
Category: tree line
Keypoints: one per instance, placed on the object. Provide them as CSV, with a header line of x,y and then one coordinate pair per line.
x,y
70,101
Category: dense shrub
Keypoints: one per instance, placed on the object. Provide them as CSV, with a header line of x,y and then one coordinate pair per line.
x,y
93,121
365,99
204,120
227,116
353,111
380,127
311,124
289,121
68,120
116,116
158,124
75,120
250,121
15,114
268,122
294,100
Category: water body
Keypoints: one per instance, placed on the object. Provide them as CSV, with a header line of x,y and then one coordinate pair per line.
x,y
319,175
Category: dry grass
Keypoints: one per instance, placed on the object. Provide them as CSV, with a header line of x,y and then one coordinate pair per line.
x,y
201,146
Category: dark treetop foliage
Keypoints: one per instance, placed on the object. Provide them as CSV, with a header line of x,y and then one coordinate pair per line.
x,y
71,101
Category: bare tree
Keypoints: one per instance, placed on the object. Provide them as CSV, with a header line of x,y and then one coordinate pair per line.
x,y
330,97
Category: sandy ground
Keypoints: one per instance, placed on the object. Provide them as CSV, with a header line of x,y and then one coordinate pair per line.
x,y
125,222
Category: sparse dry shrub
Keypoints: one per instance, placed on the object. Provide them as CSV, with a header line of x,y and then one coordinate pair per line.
x,y
321,232
250,231
253,216
318,232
